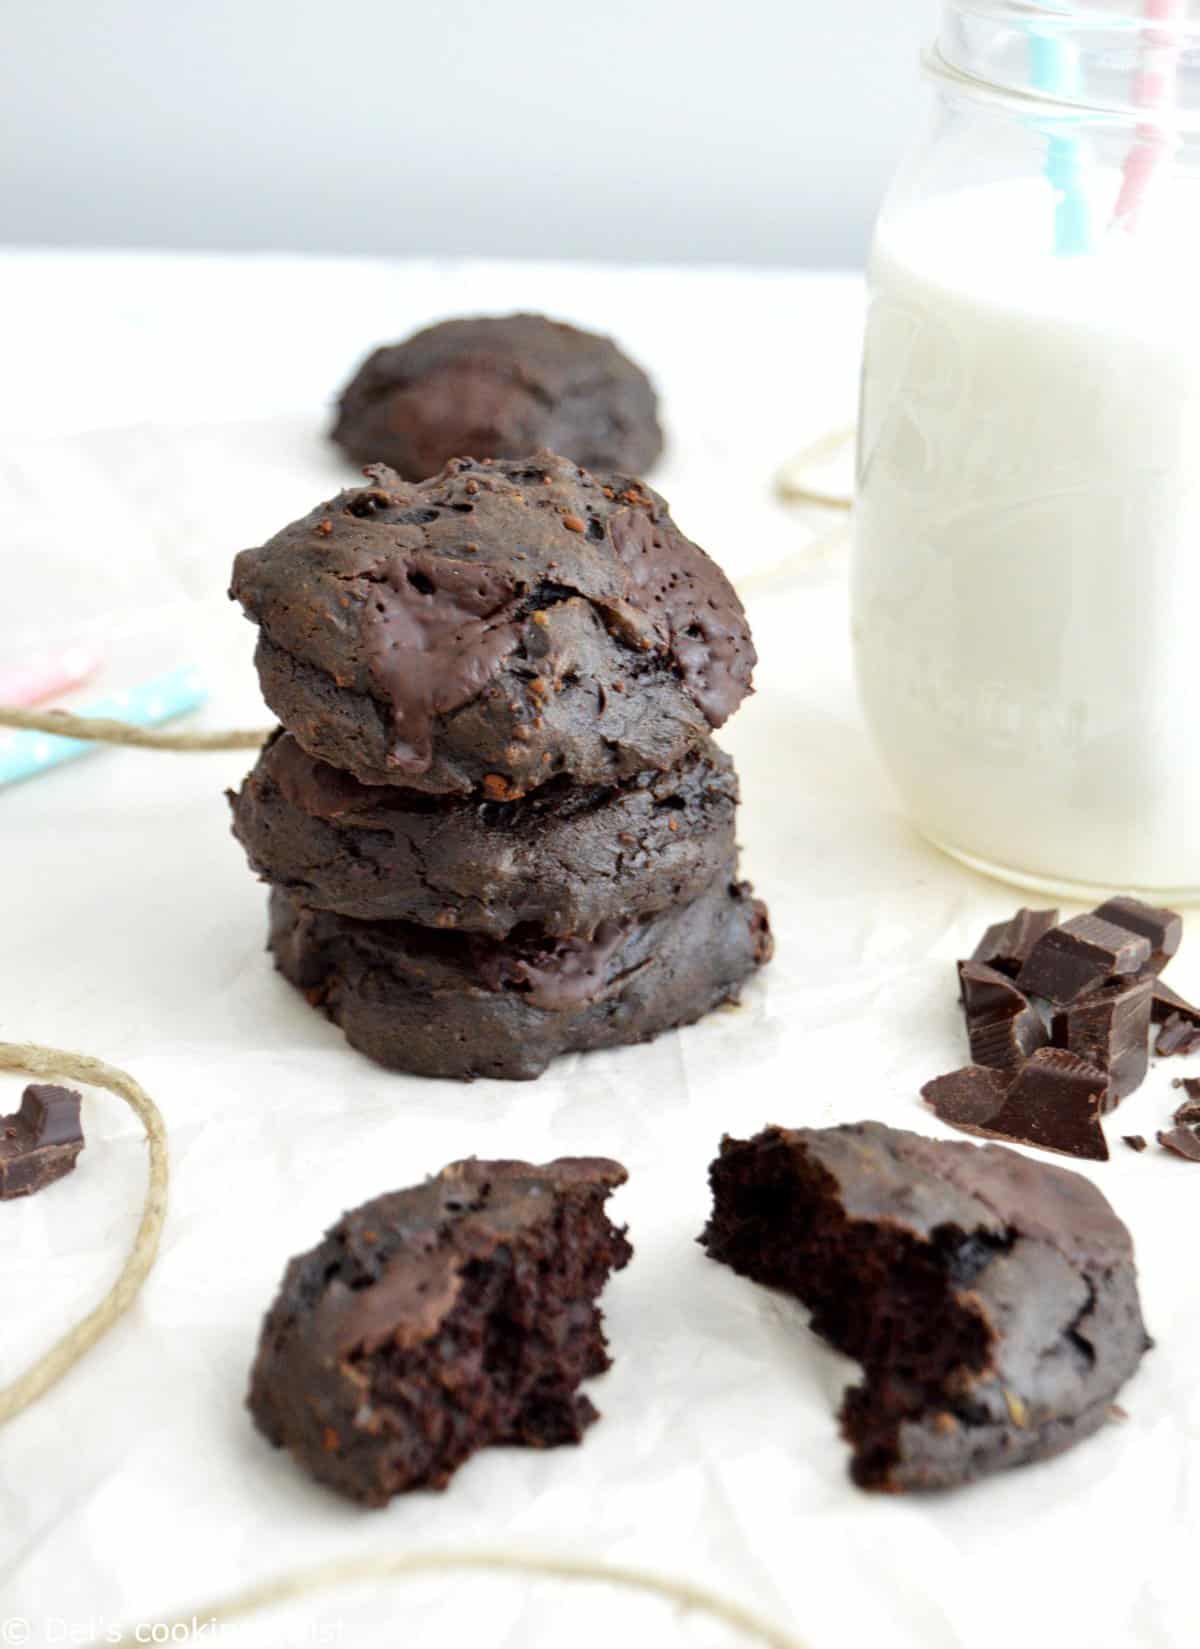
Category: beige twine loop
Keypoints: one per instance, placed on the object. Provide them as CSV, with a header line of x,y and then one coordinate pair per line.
x,y
75,1344
104,730
793,480
324,1577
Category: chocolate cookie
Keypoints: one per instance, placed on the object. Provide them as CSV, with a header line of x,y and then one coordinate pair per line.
x,y
495,627
499,386
460,1005
433,1322
564,859
991,1300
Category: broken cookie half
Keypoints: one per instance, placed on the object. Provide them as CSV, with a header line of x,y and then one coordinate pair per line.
x,y
432,1322
991,1300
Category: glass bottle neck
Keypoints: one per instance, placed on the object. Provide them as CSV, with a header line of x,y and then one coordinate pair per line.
x,y
1128,59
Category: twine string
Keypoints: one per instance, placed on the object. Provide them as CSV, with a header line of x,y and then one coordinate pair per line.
x,y
686,1597
75,1344
792,480
106,730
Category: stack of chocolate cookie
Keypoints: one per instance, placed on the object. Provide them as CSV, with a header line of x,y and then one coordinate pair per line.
x,y
495,823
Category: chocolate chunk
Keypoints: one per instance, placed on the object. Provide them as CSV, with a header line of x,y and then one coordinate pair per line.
x,y
40,1142
1081,954
1163,928
1178,1036
1053,1102
1002,1027
1110,1029
967,1098
1183,1142
1006,945
1165,1002
1135,1142
437,630
1189,1111
1184,1138
555,974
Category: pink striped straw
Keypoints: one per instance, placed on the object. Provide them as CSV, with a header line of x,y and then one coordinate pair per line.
x,y
47,675
1154,89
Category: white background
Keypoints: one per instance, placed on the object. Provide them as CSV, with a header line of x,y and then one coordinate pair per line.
x,y
747,131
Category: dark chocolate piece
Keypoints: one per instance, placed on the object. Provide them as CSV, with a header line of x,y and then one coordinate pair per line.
x,y
1006,945
969,1097
555,974
40,1142
1002,1027
1110,1029
1165,1002
1135,1142
1080,955
1053,1102
1182,1142
1189,1111
1163,928
433,1322
991,1300
499,386
1178,1035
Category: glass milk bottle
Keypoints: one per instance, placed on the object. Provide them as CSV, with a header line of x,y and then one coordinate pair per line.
x,y
1026,582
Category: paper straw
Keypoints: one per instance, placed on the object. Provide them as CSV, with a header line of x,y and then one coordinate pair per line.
x,y
47,675
1053,69
24,755
1154,89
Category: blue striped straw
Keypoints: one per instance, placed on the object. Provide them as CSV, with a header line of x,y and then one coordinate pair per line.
x,y
1054,69
23,755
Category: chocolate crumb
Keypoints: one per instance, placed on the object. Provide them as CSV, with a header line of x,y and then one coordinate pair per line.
x,y
1189,1112
1178,1036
